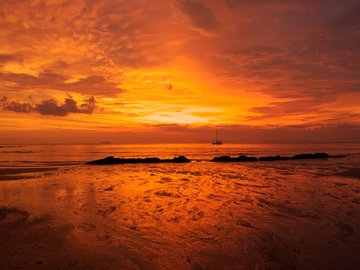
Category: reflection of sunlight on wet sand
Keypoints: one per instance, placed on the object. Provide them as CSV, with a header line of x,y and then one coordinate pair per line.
x,y
201,215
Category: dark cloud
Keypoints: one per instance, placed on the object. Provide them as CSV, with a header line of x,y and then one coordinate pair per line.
x,y
239,3
5,58
200,15
349,19
278,4
50,106
15,106
310,55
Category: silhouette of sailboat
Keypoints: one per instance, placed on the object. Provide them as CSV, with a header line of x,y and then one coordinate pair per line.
x,y
217,142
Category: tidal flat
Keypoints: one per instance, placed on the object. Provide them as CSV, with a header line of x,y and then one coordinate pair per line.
x,y
199,215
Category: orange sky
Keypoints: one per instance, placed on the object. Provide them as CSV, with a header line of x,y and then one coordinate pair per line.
x,y
175,70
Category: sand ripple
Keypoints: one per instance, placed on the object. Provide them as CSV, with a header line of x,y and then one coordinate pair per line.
x,y
188,216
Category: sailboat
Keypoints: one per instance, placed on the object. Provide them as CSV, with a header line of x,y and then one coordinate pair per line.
x,y
217,142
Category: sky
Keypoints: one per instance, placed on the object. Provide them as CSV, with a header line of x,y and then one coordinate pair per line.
x,y
152,71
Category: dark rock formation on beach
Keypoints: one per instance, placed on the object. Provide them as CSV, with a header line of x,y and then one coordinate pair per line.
x,y
273,158
316,155
243,158
112,160
181,159
235,159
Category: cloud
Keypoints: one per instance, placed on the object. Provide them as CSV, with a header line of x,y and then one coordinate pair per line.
x,y
8,57
200,15
277,4
255,51
349,19
51,106
239,3
15,106
91,85
190,134
294,52
97,41
278,110
329,132
300,50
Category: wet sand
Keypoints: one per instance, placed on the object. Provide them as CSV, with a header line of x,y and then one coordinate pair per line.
x,y
350,172
281,215
22,173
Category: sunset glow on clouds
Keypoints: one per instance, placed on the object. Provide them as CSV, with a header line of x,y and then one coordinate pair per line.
x,y
255,69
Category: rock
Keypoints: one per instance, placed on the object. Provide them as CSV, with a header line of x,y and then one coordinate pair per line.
x,y
222,159
311,156
235,159
180,159
243,158
273,158
338,156
112,160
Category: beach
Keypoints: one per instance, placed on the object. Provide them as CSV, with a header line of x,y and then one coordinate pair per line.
x,y
179,135
200,215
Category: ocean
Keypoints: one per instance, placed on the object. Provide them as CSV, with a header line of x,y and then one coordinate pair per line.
x,y
77,154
